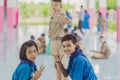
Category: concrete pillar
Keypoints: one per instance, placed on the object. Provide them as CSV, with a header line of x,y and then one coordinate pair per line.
x,y
102,7
91,12
1,15
118,20
84,3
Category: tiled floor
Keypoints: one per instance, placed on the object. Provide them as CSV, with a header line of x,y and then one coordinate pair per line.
x,y
106,69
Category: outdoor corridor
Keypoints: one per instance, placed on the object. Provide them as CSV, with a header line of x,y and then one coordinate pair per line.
x,y
106,69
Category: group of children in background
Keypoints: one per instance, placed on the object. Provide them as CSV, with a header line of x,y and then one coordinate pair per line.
x,y
41,43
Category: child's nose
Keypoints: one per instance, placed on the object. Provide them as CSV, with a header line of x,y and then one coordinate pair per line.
x,y
34,54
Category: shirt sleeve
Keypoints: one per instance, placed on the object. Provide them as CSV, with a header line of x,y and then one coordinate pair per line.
x,y
78,69
24,74
63,17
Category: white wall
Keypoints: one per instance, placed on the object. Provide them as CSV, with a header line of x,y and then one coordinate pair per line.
x,y
1,2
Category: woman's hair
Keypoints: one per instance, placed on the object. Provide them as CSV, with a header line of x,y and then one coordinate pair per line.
x,y
23,49
69,37
101,37
57,0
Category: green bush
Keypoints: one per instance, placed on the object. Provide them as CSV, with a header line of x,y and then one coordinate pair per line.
x,y
111,4
112,25
34,23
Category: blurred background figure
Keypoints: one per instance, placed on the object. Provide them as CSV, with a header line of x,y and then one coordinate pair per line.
x,y
41,43
81,18
101,24
104,52
32,37
66,31
85,24
68,15
107,17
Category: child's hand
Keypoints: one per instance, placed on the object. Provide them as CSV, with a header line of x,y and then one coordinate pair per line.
x,y
39,72
58,57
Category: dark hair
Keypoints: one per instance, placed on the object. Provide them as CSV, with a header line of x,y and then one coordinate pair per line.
x,y
85,11
67,11
107,13
57,0
69,37
75,27
101,37
81,6
23,49
66,30
43,34
100,13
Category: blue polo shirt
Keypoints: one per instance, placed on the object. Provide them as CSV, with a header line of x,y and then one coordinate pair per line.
x,y
23,72
81,69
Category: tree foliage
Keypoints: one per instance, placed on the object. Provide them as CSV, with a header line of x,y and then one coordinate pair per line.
x,y
111,4
43,9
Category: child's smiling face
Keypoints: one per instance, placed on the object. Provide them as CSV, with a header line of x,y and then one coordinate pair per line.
x,y
56,6
68,47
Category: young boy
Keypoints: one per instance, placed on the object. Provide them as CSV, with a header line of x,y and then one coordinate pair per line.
x,y
104,52
56,31
79,67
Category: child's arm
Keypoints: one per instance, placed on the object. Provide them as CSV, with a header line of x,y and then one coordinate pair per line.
x,y
62,17
58,61
38,73
63,70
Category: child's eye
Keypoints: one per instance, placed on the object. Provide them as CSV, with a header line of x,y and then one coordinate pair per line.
x,y
29,52
35,51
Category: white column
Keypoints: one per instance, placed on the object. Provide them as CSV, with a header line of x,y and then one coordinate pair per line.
x,y
118,20
85,4
1,2
91,11
117,60
102,7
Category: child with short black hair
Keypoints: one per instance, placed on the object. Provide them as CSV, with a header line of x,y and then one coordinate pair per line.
x,y
79,67
66,31
27,67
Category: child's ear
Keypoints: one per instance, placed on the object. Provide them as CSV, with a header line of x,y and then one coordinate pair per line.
x,y
76,44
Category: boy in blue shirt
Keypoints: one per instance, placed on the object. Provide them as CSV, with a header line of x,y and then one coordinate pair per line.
x,y
79,67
